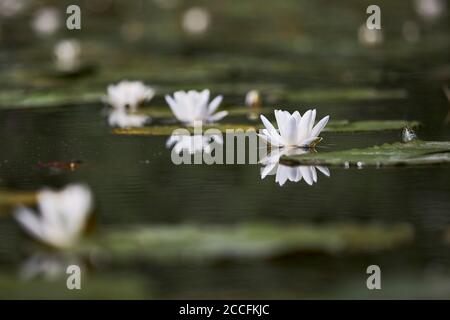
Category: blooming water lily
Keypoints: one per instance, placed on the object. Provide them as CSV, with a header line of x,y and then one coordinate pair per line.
x,y
192,106
294,130
128,94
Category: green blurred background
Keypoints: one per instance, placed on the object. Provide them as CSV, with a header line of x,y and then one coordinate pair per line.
x,y
298,54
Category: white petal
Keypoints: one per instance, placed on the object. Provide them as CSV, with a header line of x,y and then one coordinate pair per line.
x,y
307,175
29,221
213,105
324,170
76,206
174,107
312,120
283,125
291,131
319,126
297,117
274,135
282,175
218,116
303,130
280,119
270,169
313,173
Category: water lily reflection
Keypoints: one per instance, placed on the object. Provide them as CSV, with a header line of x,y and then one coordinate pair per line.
x,y
128,95
122,119
49,265
283,173
193,144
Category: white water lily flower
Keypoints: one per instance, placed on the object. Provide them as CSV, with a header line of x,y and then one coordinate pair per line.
x,y
46,21
193,144
9,8
294,130
128,94
284,173
253,99
120,118
62,215
192,106
68,54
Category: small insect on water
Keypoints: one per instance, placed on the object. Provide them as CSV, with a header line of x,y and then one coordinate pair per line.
x,y
408,134
60,165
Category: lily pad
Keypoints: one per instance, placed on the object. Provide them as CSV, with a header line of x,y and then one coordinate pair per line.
x,y
34,99
333,126
167,130
411,153
165,112
195,242
339,94
8,198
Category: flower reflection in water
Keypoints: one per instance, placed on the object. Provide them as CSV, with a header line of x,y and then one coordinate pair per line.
x,y
49,265
283,173
193,144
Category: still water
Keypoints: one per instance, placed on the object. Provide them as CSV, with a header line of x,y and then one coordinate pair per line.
x,y
135,183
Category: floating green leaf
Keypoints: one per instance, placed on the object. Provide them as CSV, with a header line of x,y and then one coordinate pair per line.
x,y
34,99
333,126
194,242
411,153
167,130
8,198
342,94
165,112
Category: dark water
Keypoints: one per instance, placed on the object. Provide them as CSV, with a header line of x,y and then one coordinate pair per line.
x,y
135,182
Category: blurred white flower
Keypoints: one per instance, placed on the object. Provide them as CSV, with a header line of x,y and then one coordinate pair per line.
x,y
430,9
192,106
196,20
120,118
9,8
62,215
253,99
67,54
128,94
46,21
50,266
370,37
294,130
193,144
284,173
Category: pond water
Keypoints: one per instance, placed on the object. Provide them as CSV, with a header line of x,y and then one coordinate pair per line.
x,y
301,62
